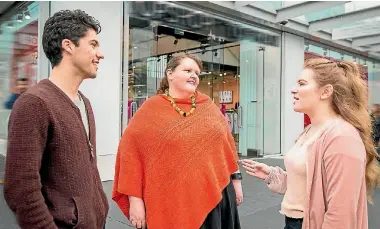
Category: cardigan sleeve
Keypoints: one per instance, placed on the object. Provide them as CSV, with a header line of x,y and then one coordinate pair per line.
x,y
28,129
276,180
344,163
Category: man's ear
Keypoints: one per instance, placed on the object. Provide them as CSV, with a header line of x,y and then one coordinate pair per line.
x,y
67,45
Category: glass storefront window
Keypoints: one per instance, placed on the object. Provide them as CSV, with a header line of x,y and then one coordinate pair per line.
x,y
18,59
242,67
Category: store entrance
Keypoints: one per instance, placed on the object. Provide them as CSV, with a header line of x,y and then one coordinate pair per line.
x,y
241,74
219,78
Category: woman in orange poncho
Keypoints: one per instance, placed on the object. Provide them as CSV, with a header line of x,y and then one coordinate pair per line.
x,y
176,165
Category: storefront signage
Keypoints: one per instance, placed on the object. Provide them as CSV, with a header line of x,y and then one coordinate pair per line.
x,y
225,97
27,39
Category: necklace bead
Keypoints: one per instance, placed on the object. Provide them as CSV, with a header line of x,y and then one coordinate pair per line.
x,y
181,112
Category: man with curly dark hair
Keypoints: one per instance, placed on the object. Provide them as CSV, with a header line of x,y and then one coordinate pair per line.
x,y
51,175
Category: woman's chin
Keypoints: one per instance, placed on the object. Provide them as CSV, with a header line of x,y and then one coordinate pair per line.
x,y
297,109
191,90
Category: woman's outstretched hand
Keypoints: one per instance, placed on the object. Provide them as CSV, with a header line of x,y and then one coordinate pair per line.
x,y
256,169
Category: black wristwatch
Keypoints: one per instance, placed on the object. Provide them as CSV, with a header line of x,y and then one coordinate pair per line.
x,y
236,176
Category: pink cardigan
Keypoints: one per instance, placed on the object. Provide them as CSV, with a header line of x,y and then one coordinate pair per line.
x,y
336,187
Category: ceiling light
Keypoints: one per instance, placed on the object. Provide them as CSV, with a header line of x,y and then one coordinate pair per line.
x,y
10,25
160,8
27,15
19,18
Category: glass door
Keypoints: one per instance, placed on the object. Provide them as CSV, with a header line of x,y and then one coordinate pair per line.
x,y
259,109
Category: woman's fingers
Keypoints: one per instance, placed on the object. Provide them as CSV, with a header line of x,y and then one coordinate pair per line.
x,y
143,224
138,223
133,222
247,161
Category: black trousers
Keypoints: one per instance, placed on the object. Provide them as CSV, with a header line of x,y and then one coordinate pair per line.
x,y
225,215
291,223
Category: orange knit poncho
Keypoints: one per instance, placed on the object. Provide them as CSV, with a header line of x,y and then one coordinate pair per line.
x,y
178,165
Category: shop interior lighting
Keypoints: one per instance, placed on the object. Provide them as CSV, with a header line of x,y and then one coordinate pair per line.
x,y
19,18
160,8
27,15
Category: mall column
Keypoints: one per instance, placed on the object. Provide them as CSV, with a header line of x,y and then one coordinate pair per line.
x,y
293,51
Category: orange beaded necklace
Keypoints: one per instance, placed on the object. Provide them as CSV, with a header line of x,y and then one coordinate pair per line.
x,y
181,112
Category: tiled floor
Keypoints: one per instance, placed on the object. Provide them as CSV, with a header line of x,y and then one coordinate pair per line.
x,y
259,210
